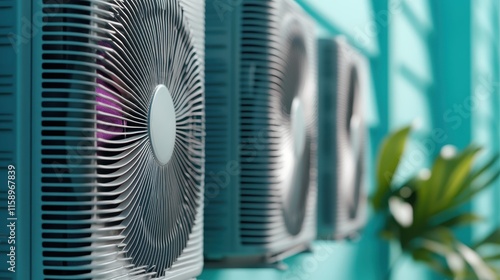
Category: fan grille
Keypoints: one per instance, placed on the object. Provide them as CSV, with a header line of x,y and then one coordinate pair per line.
x,y
277,67
108,208
350,150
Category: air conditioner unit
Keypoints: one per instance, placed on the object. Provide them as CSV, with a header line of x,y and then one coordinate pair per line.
x,y
342,78
261,132
103,121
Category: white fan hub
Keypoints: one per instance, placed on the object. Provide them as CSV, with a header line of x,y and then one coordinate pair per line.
x,y
298,119
162,124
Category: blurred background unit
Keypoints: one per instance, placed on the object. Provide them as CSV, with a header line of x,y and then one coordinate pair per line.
x,y
342,80
105,136
261,132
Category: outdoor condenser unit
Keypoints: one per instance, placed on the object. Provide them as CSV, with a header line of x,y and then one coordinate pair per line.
x,y
102,130
261,132
343,77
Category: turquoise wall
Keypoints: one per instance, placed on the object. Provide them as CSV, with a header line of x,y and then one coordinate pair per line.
x,y
434,64
483,107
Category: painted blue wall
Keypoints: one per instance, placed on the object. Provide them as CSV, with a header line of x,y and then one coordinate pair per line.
x,y
483,104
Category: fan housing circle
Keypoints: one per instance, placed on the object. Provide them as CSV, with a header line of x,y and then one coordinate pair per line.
x,y
162,124
299,128
296,112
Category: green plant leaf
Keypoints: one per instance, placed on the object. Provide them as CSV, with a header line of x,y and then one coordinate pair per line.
x,y
428,257
446,182
473,191
441,235
450,184
468,188
458,175
486,167
474,260
460,220
491,258
388,160
455,262
492,238
429,190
